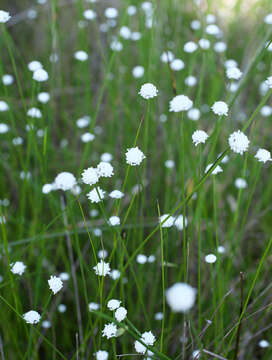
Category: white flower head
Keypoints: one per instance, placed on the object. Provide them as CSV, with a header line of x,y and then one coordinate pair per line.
x,y
113,304
234,73
102,268
96,195
89,14
238,142
210,258
3,106
166,223
139,347
199,137
215,171
134,156
93,306
32,317
264,343
190,47
110,330
116,194
101,355
40,75
105,169
65,181
148,338
220,108
204,44
90,176
4,16
179,222
263,155
180,103
240,183
111,13
177,65
181,297
138,71
34,113
141,259
268,82
120,314
81,55
167,56
268,19
194,114
55,284
18,267
148,91
43,97
114,220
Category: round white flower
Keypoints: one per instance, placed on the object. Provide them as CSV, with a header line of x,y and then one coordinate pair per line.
x,y
195,24
113,304
220,108
47,188
115,274
139,347
134,156
210,258
89,14
167,56
170,164
102,254
102,355
43,97
190,47
264,343
3,106
64,276
4,16
116,45
238,142
87,137
131,10
93,306
18,268
240,183
199,137
179,222
125,32
141,259
116,194
213,29
105,169
204,44
220,47
34,113
96,195
221,249
111,13
81,55
65,181
32,317
102,268
4,128
234,73
83,122
40,75
266,110
62,308
46,324
181,297
34,65
7,79
263,155
166,223
55,284
110,330
138,71
90,176
215,171
268,19
177,65
114,220
148,338
194,114
148,91
120,314
190,81
180,103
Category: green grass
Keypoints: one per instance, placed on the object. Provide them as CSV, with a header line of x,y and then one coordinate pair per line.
x,y
55,232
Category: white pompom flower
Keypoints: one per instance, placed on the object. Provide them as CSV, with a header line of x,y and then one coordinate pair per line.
x,y
105,169
90,176
238,142
134,156
114,220
102,268
40,75
96,195
166,223
210,258
32,317
199,137
268,82
120,314
180,103
181,297
113,304
215,171
148,91
65,181
101,355
4,16
55,284
18,267
110,330
234,73
263,155
220,108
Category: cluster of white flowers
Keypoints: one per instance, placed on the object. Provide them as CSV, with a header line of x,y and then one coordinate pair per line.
x,y
134,156
55,284
102,268
238,142
148,91
32,317
18,267
220,108
148,339
199,137
180,103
